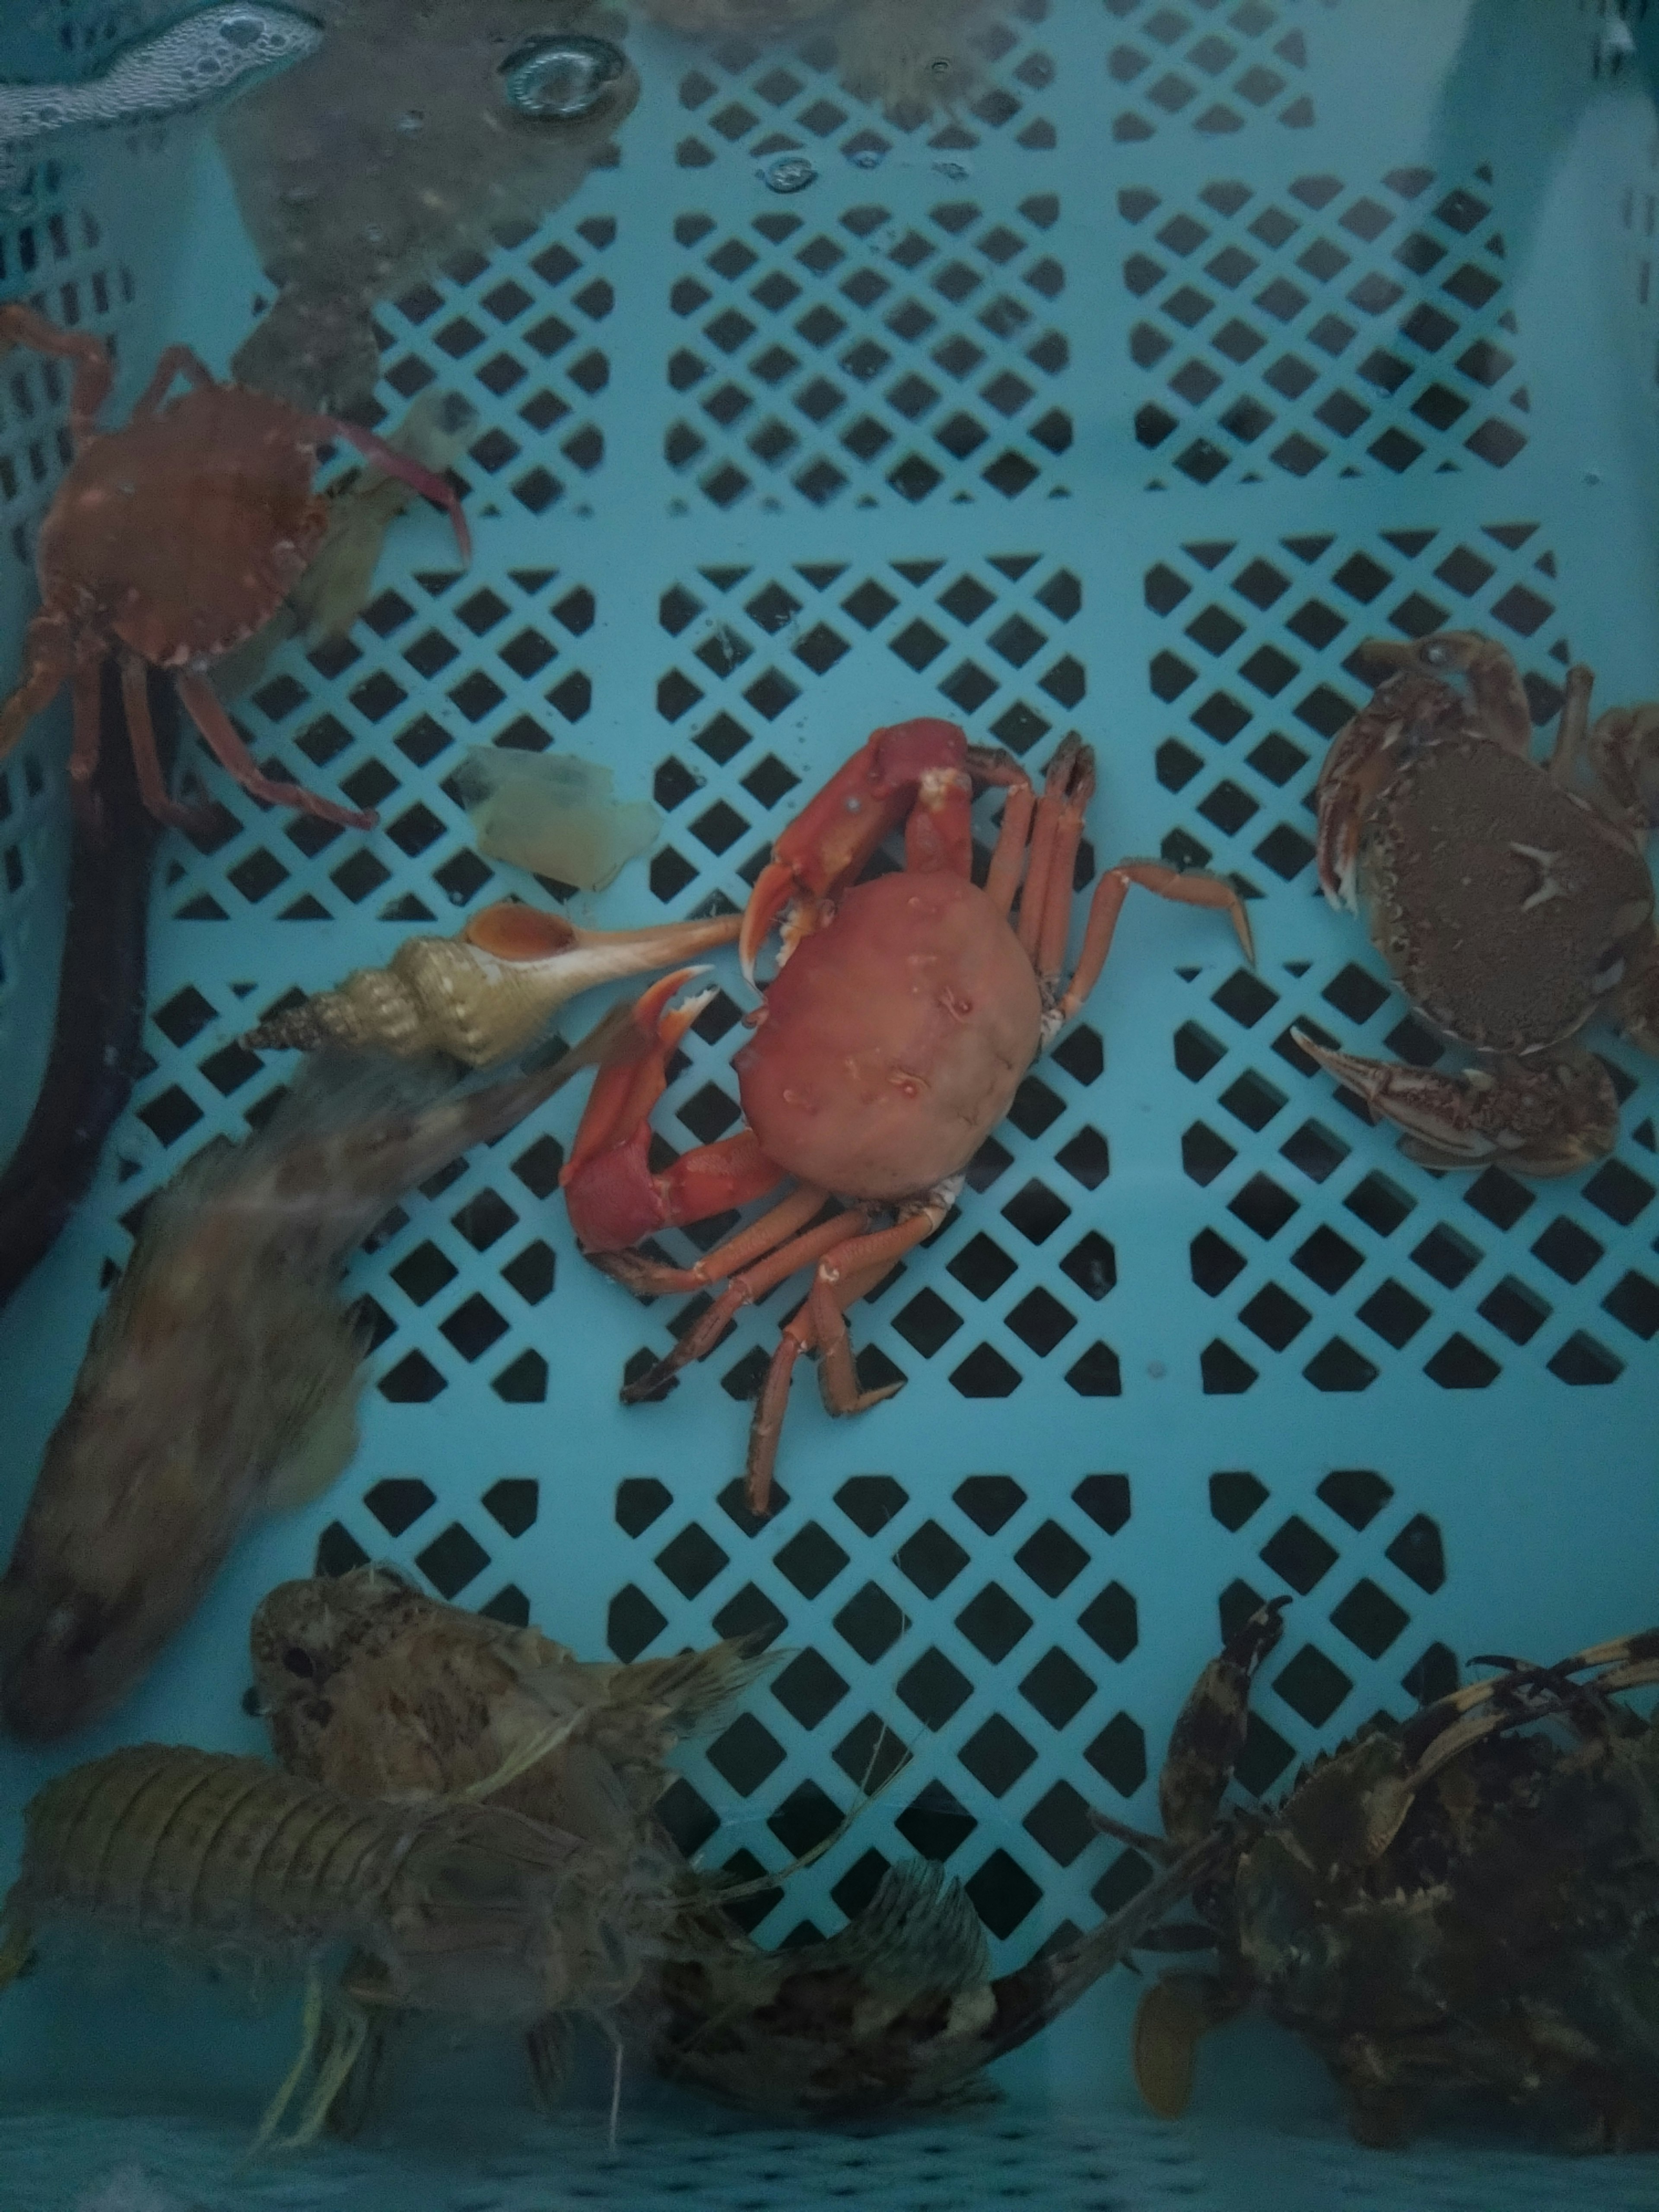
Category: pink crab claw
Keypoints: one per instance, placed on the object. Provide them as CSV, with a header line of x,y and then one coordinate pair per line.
x,y
838,832
430,484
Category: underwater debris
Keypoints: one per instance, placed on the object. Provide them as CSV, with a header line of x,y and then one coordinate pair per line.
x,y
553,814
221,1380
371,165
202,58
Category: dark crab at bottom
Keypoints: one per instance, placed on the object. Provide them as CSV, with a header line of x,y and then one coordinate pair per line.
x,y
1456,1910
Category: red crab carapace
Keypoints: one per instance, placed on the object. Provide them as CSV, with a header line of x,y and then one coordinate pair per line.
x,y
905,1012
170,542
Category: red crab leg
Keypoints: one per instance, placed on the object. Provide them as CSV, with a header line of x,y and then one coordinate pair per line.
x,y
1187,887
746,1289
211,719
48,663
94,371
838,832
430,484
140,735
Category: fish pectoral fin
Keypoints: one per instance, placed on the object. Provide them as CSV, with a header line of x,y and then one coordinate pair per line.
x,y
324,1444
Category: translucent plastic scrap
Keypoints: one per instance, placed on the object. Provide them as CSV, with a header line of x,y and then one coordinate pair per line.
x,y
554,814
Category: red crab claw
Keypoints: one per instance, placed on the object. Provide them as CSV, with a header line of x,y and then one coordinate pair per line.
x,y
837,833
612,1197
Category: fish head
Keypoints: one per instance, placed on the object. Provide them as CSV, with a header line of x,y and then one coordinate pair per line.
x,y
305,1633
69,1654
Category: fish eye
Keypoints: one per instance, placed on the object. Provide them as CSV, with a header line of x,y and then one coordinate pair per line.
x,y
298,1663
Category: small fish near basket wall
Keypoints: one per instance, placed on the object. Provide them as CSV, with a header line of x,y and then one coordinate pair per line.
x,y
1200,343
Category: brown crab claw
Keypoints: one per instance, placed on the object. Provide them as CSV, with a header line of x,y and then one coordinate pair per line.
x,y
1543,1117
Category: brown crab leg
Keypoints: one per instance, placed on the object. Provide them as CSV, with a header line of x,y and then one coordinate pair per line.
x,y
86,711
202,702
48,663
140,731
94,371
799,1333
1574,726
1185,886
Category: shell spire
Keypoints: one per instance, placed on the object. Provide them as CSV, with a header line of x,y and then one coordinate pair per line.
x,y
484,994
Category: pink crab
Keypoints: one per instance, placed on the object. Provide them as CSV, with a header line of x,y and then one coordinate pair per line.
x,y
905,1012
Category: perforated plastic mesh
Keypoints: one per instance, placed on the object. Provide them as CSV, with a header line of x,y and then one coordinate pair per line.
x,y
991,422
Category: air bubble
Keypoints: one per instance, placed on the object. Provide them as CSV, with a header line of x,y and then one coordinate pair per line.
x,y
790,172
556,79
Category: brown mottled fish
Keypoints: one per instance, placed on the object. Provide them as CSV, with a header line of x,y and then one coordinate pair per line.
x,y
372,163
382,1692
221,1380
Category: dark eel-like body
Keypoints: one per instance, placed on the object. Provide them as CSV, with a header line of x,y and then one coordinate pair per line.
x,y
98,1029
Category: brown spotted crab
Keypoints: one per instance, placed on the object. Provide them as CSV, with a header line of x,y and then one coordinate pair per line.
x,y
1511,897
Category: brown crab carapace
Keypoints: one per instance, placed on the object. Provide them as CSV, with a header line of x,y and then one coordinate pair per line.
x,y
1510,897
170,542
905,1012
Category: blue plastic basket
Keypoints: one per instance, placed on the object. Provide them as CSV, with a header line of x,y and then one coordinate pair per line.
x,y
1216,335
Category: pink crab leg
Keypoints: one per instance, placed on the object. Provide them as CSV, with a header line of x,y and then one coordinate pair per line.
x,y
745,1290
140,735
1009,858
201,702
174,360
939,830
430,484
653,1279
799,1334
1185,886
94,371
844,1275
48,663
1068,788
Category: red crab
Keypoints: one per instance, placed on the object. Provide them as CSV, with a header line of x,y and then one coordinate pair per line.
x,y
887,1048
169,543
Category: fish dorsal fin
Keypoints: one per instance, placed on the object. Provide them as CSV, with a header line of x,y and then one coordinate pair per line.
x,y
919,1934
